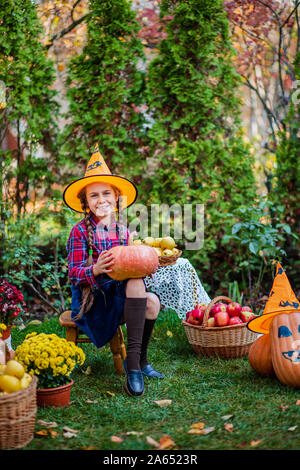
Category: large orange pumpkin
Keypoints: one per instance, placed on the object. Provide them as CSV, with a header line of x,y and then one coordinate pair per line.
x,y
259,356
285,348
134,261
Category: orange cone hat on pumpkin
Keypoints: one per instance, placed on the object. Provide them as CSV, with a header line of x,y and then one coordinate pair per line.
x,y
98,172
281,300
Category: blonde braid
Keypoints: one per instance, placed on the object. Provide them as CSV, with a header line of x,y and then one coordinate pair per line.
x,y
87,295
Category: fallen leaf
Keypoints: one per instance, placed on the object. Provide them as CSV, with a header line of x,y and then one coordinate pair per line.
x,y
283,407
88,371
133,433
228,427
298,402
254,443
67,429
292,428
110,393
89,448
166,442
203,431
116,439
198,425
152,442
69,435
53,433
169,333
226,417
42,432
48,424
195,431
207,430
163,402
91,401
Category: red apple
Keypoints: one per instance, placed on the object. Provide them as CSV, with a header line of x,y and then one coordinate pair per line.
x,y
221,318
196,317
234,309
201,306
247,316
235,321
246,309
187,315
219,307
211,322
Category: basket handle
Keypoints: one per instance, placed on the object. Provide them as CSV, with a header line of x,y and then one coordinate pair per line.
x,y
210,306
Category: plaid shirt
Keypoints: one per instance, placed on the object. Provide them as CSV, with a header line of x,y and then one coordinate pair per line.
x,y
77,248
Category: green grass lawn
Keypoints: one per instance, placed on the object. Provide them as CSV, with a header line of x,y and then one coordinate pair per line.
x,y
201,389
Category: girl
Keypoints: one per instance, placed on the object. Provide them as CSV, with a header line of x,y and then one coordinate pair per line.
x,y
99,303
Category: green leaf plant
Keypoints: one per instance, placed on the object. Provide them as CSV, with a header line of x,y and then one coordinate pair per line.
x,y
259,239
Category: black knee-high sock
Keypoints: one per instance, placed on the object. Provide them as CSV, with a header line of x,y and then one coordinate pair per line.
x,y
148,328
134,315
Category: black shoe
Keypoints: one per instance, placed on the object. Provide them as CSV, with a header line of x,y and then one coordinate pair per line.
x,y
148,371
135,383
151,373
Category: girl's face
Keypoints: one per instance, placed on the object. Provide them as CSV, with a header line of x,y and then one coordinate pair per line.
x,y
101,199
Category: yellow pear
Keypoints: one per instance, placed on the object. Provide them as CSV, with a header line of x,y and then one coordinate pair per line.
x,y
157,242
14,368
137,242
167,243
9,384
175,251
167,252
25,381
158,251
149,241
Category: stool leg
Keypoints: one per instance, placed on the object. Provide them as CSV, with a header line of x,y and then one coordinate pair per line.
x,y
116,350
122,344
72,334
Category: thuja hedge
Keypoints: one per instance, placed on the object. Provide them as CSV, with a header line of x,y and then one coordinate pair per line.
x,y
104,87
197,144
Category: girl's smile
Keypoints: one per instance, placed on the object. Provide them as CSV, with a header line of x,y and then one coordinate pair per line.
x,y
101,199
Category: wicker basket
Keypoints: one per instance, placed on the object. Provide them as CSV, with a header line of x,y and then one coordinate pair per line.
x,y
17,417
224,341
168,260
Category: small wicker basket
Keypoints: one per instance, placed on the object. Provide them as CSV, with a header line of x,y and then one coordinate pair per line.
x,y
224,341
170,259
17,417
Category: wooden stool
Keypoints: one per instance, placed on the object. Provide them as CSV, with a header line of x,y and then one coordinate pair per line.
x,y
117,344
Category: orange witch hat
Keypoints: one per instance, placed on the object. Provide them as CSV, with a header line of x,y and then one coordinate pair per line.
x,y
281,300
98,172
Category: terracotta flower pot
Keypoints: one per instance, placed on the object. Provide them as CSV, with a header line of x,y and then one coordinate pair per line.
x,y
5,334
58,396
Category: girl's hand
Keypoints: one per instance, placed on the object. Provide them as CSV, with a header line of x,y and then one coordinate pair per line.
x,y
104,262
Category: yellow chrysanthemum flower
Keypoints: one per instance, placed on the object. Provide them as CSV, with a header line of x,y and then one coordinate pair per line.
x,y
41,352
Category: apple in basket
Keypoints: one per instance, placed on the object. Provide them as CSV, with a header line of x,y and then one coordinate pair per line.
x,y
211,322
201,306
221,318
234,309
246,308
187,315
219,307
235,321
196,316
247,316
